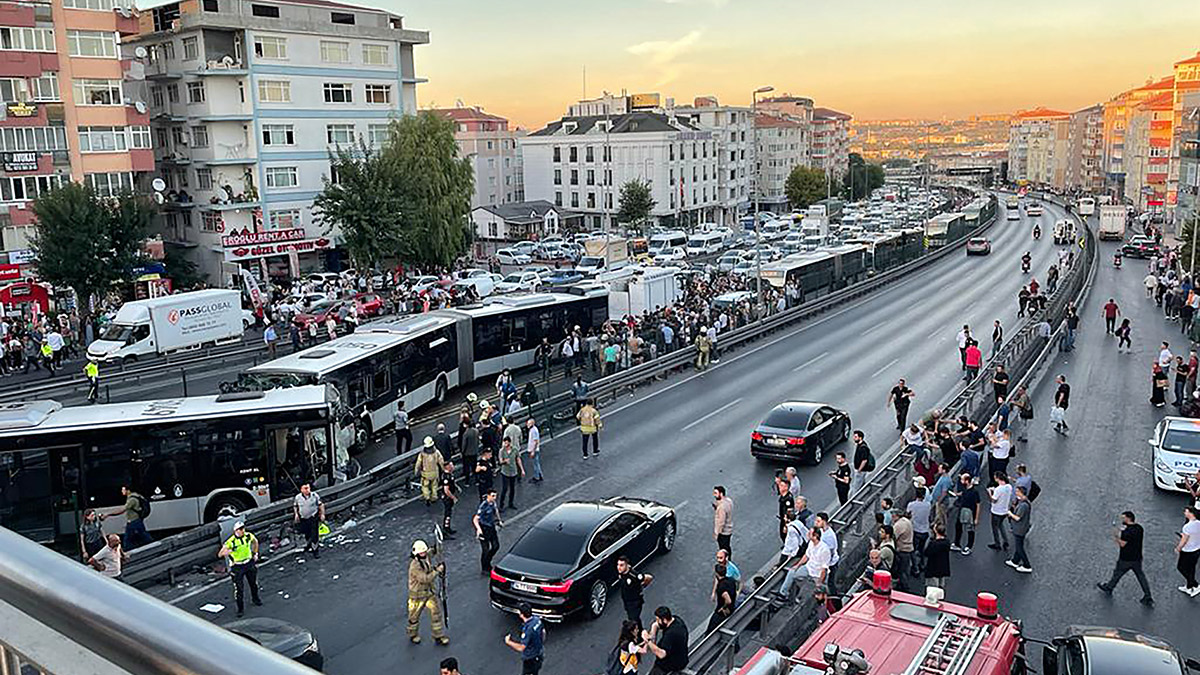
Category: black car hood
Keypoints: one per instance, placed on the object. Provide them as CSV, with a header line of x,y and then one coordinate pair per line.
x,y
529,567
281,637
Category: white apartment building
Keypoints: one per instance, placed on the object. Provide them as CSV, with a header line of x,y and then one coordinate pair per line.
x,y
580,163
733,129
246,99
831,141
1085,170
492,148
781,147
1038,146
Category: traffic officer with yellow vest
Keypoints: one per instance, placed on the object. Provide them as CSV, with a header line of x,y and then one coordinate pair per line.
x,y
47,356
242,551
92,372
423,593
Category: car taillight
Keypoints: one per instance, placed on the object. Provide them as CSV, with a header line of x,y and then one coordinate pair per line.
x,y
756,436
557,588
497,577
795,441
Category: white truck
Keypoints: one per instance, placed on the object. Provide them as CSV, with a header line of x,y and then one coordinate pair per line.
x,y
602,254
1112,222
170,323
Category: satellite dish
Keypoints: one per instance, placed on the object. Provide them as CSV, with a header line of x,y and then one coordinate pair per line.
x,y
158,197
227,60
222,194
158,184
140,52
140,107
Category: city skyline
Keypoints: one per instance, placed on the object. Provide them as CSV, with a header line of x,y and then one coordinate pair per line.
x,y
923,60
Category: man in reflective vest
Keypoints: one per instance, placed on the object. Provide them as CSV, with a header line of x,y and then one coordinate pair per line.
x,y
242,551
92,372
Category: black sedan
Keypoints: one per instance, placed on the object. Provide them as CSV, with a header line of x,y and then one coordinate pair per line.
x,y
1140,246
566,564
281,637
799,430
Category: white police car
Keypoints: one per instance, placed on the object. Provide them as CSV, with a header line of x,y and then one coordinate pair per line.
x,y
1176,452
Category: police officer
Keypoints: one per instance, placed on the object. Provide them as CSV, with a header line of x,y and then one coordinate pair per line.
x,y
531,646
486,520
631,583
448,491
242,551
47,356
92,372
423,593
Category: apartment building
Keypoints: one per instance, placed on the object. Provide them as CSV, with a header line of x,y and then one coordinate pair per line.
x,y
1188,135
491,146
1148,141
830,141
247,97
1187,82
581,162
1117,113
72,109
781,148
1038,144
1085,150
733,132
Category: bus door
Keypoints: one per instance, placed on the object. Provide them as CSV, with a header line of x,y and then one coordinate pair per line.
x,y
66,483
299,453
518,340
26,505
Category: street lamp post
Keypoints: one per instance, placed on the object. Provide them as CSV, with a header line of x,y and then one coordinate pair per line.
x,y
757,188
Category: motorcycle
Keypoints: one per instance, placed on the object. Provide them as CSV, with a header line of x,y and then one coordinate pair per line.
x,y
1025,267
1117,261
1037,233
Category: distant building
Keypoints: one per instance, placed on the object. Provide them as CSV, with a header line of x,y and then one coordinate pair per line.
x,y
1038,147
781,147
495,156
1187,83
1188,133
497,225
733,132
830,141
1148,151
1085,150
1117,114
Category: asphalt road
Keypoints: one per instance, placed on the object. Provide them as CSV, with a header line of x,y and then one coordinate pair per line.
x,y
1088,478
671,442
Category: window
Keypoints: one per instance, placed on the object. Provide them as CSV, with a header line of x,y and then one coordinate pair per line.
x,y
375,55
278,134
574,154
13,89
204,179
156,97
97,92
338,92
558,199
168,49
200,137
557,154
379,93
282,177
45,88
195,91
163,137
338,134
212,6
589,155
21,188
343,18
110,184
191,48
211,221
575,200
591,176
27,39
44,139
100,5
335,52
265,10
377,134
102,139
558,176
270,47
92,43
172,93
274,91
177,136
285,219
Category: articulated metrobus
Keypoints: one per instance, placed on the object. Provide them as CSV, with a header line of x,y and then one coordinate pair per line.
x,y
821,270
420,358
194,458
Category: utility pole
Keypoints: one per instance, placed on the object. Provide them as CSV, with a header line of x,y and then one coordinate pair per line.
x,y
757,189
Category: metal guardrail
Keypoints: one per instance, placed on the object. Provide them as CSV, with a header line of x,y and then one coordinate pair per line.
x,y
854,521
197,546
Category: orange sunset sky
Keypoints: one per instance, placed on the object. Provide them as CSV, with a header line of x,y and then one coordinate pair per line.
x,y
874,59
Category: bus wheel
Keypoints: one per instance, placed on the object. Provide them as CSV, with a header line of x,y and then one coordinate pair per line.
x,y
439,395
227,504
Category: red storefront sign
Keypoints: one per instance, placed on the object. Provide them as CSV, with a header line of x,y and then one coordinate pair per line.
x,y
268,237
10,272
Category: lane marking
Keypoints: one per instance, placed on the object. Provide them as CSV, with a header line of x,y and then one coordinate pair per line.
x,y
706,417
875,328
810,361
889,365
533,509
933,334
681,504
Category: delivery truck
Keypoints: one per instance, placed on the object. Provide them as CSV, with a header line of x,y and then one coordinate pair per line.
x,y
170,323
603,254
1112,222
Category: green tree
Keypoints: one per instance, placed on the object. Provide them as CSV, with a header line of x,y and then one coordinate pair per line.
x,y
861,178
805,186
1187,236
182,271
87,242
635,203
434,189
365,204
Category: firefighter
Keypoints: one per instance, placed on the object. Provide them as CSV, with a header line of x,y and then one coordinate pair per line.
x,y
423,593
428,466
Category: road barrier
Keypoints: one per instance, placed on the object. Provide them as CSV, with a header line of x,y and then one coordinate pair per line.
x,y
774,623
182,552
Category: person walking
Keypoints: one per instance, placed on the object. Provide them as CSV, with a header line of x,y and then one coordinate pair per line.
x,y
270,337
1019,515
997,337
631,582
510,468
1001,495
1158,386
722,519
724,594
533,449
242,550
1000,382
109,558
999,452
308,512
468,447
91,534
1124,337
1062,401
966,513
91,370
963,338
900,398
589,427
135,510
787,504
1111,312
428,467
974,359
423,595
1188,549
486,520
531,646
841,477
403,433
937,558
1129,557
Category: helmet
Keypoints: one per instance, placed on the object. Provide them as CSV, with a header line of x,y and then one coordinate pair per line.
x,y
472,397
483,404
239,525
428,442
419,547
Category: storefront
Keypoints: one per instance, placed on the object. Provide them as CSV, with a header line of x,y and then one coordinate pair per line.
x,y
276,254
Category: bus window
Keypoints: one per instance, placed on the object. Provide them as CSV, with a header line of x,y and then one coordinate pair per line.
x,y
489,338
167,462
107,466
517,332
232,454
356,389
25,504
381,391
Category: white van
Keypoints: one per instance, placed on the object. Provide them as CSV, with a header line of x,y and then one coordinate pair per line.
x,y
705,243
775,229
665,240
1176,453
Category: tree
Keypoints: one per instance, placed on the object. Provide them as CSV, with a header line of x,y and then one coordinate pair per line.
x,y
364,204
87,242
182,271
1187,235
434,189
635,203
805,186
862,178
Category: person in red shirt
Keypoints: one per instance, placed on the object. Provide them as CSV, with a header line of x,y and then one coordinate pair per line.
x,y
1111,311
1033,286
974,358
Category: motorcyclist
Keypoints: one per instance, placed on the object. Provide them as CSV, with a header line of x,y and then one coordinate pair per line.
x,y
1037,231
1117,259
1026,260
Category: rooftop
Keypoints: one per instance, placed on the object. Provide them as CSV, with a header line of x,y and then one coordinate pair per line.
x,y
468,114
634,122
766,121
1041,112
822,114
525,212
1194,59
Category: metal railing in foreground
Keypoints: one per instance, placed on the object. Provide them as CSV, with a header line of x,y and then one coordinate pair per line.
x,y
62,618
762,619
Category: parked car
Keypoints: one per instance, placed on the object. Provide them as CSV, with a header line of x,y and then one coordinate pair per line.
x,y
1140,246
727,262
507,256
566,563
324,277
482,280
524,247
979,246
319,313
745,267
799,430
519,281
563,277
283,638
670,255
369,304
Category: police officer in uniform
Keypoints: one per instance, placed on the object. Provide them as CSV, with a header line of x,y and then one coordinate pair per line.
x,y
92,372
631,583
242,551
448,491
423,593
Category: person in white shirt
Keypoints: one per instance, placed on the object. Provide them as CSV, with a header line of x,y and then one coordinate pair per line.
x,y
795,537
814,564
963,336
1165,357
829,537
1000,451
533,448
109,559
1001,495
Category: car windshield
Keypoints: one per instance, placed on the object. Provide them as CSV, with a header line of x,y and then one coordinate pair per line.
x,y
1180,440
550,545
786,418
116,332
591,260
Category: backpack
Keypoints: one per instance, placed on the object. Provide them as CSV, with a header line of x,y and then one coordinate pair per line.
x,y
143,506
870,461
1034,490
614,665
